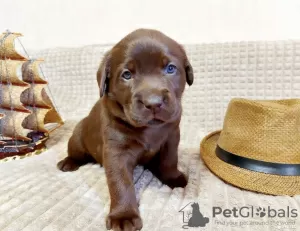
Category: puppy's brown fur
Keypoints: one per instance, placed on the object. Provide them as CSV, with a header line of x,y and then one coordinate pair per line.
x,y
135,121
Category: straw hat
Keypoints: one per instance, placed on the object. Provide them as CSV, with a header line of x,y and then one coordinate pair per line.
x,y
259,146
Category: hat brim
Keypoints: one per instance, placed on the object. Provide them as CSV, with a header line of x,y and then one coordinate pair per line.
x,y
243,178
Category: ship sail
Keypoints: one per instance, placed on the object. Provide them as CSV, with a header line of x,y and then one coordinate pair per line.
x,y
25,105
11,124
8,49
36,99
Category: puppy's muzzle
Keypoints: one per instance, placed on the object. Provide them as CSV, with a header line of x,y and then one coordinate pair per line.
x,y
153,100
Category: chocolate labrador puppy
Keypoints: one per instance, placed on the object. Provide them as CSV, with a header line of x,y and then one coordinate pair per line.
x,y
135,121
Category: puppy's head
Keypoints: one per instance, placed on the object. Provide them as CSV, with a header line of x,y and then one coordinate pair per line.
x,y
146,73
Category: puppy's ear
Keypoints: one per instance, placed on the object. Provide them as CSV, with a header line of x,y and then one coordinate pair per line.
x,y
189,73
103,73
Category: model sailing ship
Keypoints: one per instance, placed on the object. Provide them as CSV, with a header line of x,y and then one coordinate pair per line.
x,y
27,113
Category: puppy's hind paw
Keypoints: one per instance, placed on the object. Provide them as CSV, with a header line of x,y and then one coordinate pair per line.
x,y
68,165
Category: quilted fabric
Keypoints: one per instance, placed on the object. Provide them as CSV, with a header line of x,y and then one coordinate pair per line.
x,y
35,195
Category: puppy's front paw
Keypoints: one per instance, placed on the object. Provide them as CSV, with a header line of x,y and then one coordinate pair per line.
x,y
67,165
124,223
177,182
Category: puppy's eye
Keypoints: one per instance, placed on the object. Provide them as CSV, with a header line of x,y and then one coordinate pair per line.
x,y
170,69
126,75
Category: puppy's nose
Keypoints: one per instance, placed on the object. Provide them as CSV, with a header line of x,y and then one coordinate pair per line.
x,y
153,102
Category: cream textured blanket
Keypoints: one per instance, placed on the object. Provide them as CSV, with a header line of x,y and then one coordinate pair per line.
x,y
35,195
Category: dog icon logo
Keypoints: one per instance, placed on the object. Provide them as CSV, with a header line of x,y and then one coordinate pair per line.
x,y
192,217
